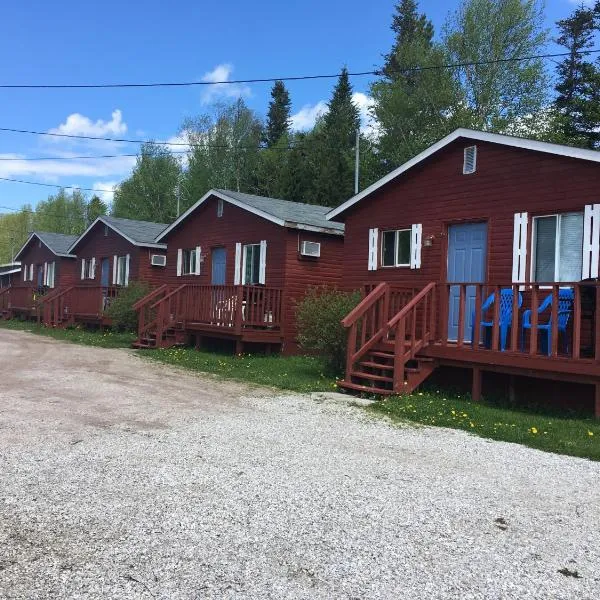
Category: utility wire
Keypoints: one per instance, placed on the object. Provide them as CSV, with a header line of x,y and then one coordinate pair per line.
x,y
55,185
38,158
378,72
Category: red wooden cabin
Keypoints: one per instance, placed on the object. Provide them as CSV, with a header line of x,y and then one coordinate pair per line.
x,y
111,253
235,264
46,263
477,229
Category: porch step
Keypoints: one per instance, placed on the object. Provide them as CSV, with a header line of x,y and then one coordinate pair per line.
x,y
349,385
371,377
376,365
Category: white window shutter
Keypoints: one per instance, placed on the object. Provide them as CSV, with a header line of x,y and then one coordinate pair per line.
x,y
31,272
416,243
24,272
373,249
237,279
519,248
45,273
591,240
83,268
262,274
52,273
179,262
198,256
127,259
93,267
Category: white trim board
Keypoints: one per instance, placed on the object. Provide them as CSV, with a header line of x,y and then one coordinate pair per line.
x,y
35,235
469,134
250,209
119,232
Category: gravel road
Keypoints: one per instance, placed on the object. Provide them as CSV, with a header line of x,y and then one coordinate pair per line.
x,y
121,478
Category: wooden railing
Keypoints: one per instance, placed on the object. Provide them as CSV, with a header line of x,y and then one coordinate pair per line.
x,y
219,306
525,321
146,314
22,297
78,301
4,298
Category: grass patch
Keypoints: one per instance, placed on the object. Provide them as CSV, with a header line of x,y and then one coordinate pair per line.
x,y
551,433
76,335
295,373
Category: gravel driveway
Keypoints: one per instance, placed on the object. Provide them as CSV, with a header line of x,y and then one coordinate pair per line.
x,y
121,478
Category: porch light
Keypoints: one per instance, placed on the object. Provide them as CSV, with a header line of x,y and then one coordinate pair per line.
x,y
428,241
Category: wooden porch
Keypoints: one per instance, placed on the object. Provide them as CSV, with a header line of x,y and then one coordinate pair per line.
x,y
20,301
62,307
397,336
245,314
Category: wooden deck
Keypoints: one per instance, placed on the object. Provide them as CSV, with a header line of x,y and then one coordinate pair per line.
x,y
397,338
244,314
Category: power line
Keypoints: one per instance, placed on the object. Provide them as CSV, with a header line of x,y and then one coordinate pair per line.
x,y
54,185
39,158
377,72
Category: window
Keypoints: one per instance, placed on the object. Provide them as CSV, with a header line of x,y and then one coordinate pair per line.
x,y
121,269
395,248
189,262
30,272
558,247
50,271
470,160
106,231
219,207
89,268
251,264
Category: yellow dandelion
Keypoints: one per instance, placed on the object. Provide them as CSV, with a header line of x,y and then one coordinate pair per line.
x,y
533,430
590,433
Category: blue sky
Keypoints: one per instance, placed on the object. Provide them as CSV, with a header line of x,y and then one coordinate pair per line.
x,y
91,42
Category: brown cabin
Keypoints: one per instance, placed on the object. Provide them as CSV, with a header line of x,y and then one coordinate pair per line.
x,y
480,253
235,265
46,264
8,273
111,254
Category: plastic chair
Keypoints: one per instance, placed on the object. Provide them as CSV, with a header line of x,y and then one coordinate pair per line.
x,y
565,308
505,316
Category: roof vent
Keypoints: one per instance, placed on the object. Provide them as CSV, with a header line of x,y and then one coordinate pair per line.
x,y
470,160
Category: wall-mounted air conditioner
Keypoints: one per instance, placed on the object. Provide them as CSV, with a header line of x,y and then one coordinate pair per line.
x,y
158,260
310,249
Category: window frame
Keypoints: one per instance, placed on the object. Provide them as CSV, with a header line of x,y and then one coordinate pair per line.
x,y
89,270
558,216
121,270
220,204
188,261
245,263
397,233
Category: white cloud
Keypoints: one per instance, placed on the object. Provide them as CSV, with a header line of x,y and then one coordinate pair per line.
x,y
78,124
307,116
217,76
106,196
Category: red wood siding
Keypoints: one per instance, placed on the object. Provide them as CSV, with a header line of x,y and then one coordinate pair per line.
x,y
97,245
303,272
37,255
283,267
437,194
203,228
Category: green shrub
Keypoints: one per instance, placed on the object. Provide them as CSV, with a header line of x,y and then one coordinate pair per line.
x,y
318,317
124,318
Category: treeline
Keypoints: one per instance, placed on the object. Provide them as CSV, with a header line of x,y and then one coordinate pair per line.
x,y
430,83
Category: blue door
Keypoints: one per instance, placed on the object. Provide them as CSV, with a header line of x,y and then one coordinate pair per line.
x,y
219,262
467,245
104,278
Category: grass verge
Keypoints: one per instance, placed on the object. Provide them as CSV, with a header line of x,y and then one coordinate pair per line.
x,y
100,339
551,433
295,373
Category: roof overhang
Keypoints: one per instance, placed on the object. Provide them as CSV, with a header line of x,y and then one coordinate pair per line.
x,y
35,235
119,232
10,272
303,227
482,136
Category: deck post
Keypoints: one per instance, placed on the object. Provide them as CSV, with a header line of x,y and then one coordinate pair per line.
x,y
476,389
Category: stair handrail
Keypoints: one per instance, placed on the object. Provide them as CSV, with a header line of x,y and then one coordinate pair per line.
x,y
403,312
150,296
169,295
363,306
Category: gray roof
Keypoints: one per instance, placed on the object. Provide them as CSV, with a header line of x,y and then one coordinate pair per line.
x,y
59,243
291,212
141,232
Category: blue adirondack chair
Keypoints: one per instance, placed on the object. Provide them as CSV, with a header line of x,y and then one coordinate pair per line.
x,y
505,316
565,308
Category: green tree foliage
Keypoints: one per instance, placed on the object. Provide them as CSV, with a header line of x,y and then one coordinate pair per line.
x,y
318,317
501,90
226,151
96,208
578,85
124,318
150,193
278,117
65,212
415,103
14,229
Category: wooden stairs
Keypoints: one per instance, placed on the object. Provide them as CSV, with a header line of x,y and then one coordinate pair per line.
x,y
384,350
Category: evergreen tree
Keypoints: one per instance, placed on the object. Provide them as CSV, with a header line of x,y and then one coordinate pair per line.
x,y
415,103
278,117
95,208
578,86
